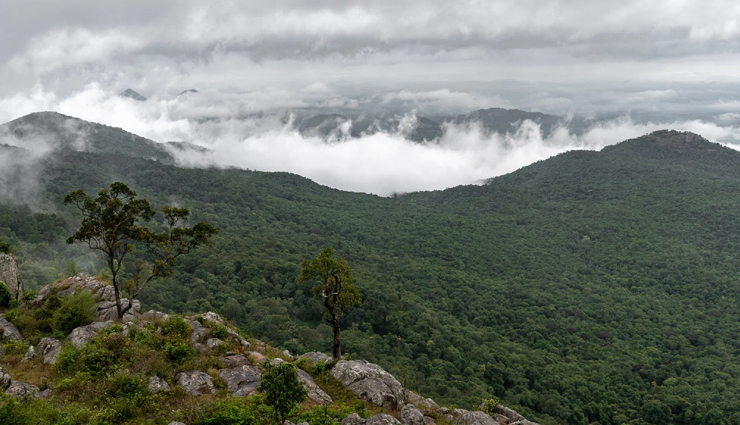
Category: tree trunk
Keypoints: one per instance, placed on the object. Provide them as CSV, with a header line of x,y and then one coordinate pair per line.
x,y
115,290
337,351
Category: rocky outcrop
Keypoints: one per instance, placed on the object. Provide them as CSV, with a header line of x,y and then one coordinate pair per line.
x,y
425,404
315,394
314,356
241,381
195,382
5,380
10,275
84,334
382,419
107,310
30,354
410,415
256,357
213,343
158,385
22,390
508,413
8,332
369,382
232,360
103,294
475,418
353,419
49,348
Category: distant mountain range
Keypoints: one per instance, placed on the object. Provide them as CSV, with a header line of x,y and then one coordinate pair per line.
x,y
424,129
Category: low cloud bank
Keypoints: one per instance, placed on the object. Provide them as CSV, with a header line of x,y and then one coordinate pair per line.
x,y
382,163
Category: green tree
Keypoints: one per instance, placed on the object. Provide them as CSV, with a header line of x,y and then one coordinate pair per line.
x,y
282,388
335,289
110,225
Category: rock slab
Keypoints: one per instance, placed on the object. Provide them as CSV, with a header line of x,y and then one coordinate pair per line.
x,y
8,332
49,348
158,385
10,274
315,394
410,415
195,382
242,380
370,382
475,418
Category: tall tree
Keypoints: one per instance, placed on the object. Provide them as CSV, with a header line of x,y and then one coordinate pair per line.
x,y
110,225
335,288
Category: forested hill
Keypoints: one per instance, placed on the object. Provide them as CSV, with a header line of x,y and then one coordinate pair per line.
x,y
590,287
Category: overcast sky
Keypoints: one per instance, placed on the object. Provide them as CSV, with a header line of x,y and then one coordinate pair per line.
x,y
658,61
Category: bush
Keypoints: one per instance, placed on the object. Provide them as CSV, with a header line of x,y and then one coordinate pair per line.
x,y
132,388
91,359
178,353
5,296
282,389
229,412
75,310
15,348
176,326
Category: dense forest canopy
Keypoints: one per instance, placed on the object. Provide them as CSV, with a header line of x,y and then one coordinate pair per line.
x,y
593,287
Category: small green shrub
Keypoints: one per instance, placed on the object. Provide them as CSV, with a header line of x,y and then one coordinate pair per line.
x,y
176,326
132,388
282,389
91,358
15,348
219,332
324,415
29,296
4,247
75,311
178,353
229,412
489,406
5,296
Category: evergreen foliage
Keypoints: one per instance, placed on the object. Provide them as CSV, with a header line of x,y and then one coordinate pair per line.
x,y
281,388
5,296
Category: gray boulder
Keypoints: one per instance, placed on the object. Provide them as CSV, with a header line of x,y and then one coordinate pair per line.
x,y
30,354
158,385
315,394
475,418
8,332
458,412
107,310
410,415
241,381
10,275
45,394
175,423
212,343
428,420
353,419
84,334
426,404
369,382
49,348
232,360
511,414
154,316
5,380
382,419
22,390
448,418
195,382
314,356
256,357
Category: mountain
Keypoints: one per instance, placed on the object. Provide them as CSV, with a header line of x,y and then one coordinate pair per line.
x,y
502,121
128,93
589,287
65,132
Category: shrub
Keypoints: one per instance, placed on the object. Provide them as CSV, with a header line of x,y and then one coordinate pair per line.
x,y
5,296
132,388
15,348
91,359
178,353
229,412
75,310
282,389
176,326
489,406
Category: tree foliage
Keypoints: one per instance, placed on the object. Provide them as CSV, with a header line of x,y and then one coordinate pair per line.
x,y
111,225
335,289
282,389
